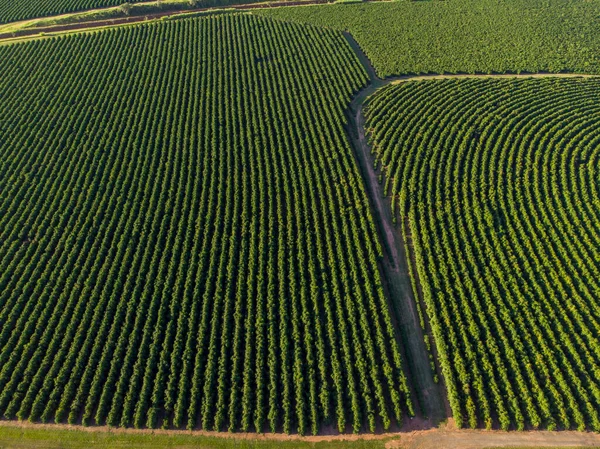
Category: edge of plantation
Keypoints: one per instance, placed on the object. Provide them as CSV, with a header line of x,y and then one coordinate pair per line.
x,y
137,9
20,434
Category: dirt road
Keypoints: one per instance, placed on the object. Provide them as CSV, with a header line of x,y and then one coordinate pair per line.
x,y
430,396
480,439
443,438
403,79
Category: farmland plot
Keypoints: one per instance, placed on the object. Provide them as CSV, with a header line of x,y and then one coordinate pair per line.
x,y
185,239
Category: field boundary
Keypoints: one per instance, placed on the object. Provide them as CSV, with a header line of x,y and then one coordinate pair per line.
x,y
428,395
446,437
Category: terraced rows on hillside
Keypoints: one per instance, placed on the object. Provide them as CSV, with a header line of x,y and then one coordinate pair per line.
x,y
185,239
494,184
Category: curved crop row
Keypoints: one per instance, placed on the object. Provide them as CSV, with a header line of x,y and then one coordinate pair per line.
x,y
495,182
185,239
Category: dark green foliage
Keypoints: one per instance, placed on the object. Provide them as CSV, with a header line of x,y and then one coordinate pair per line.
x,y
184,236
496,184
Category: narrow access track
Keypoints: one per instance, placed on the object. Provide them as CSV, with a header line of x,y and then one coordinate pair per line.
x,y
431,396
86,25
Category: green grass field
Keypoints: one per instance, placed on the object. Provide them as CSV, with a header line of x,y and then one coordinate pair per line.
x,y
31,438
17,438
